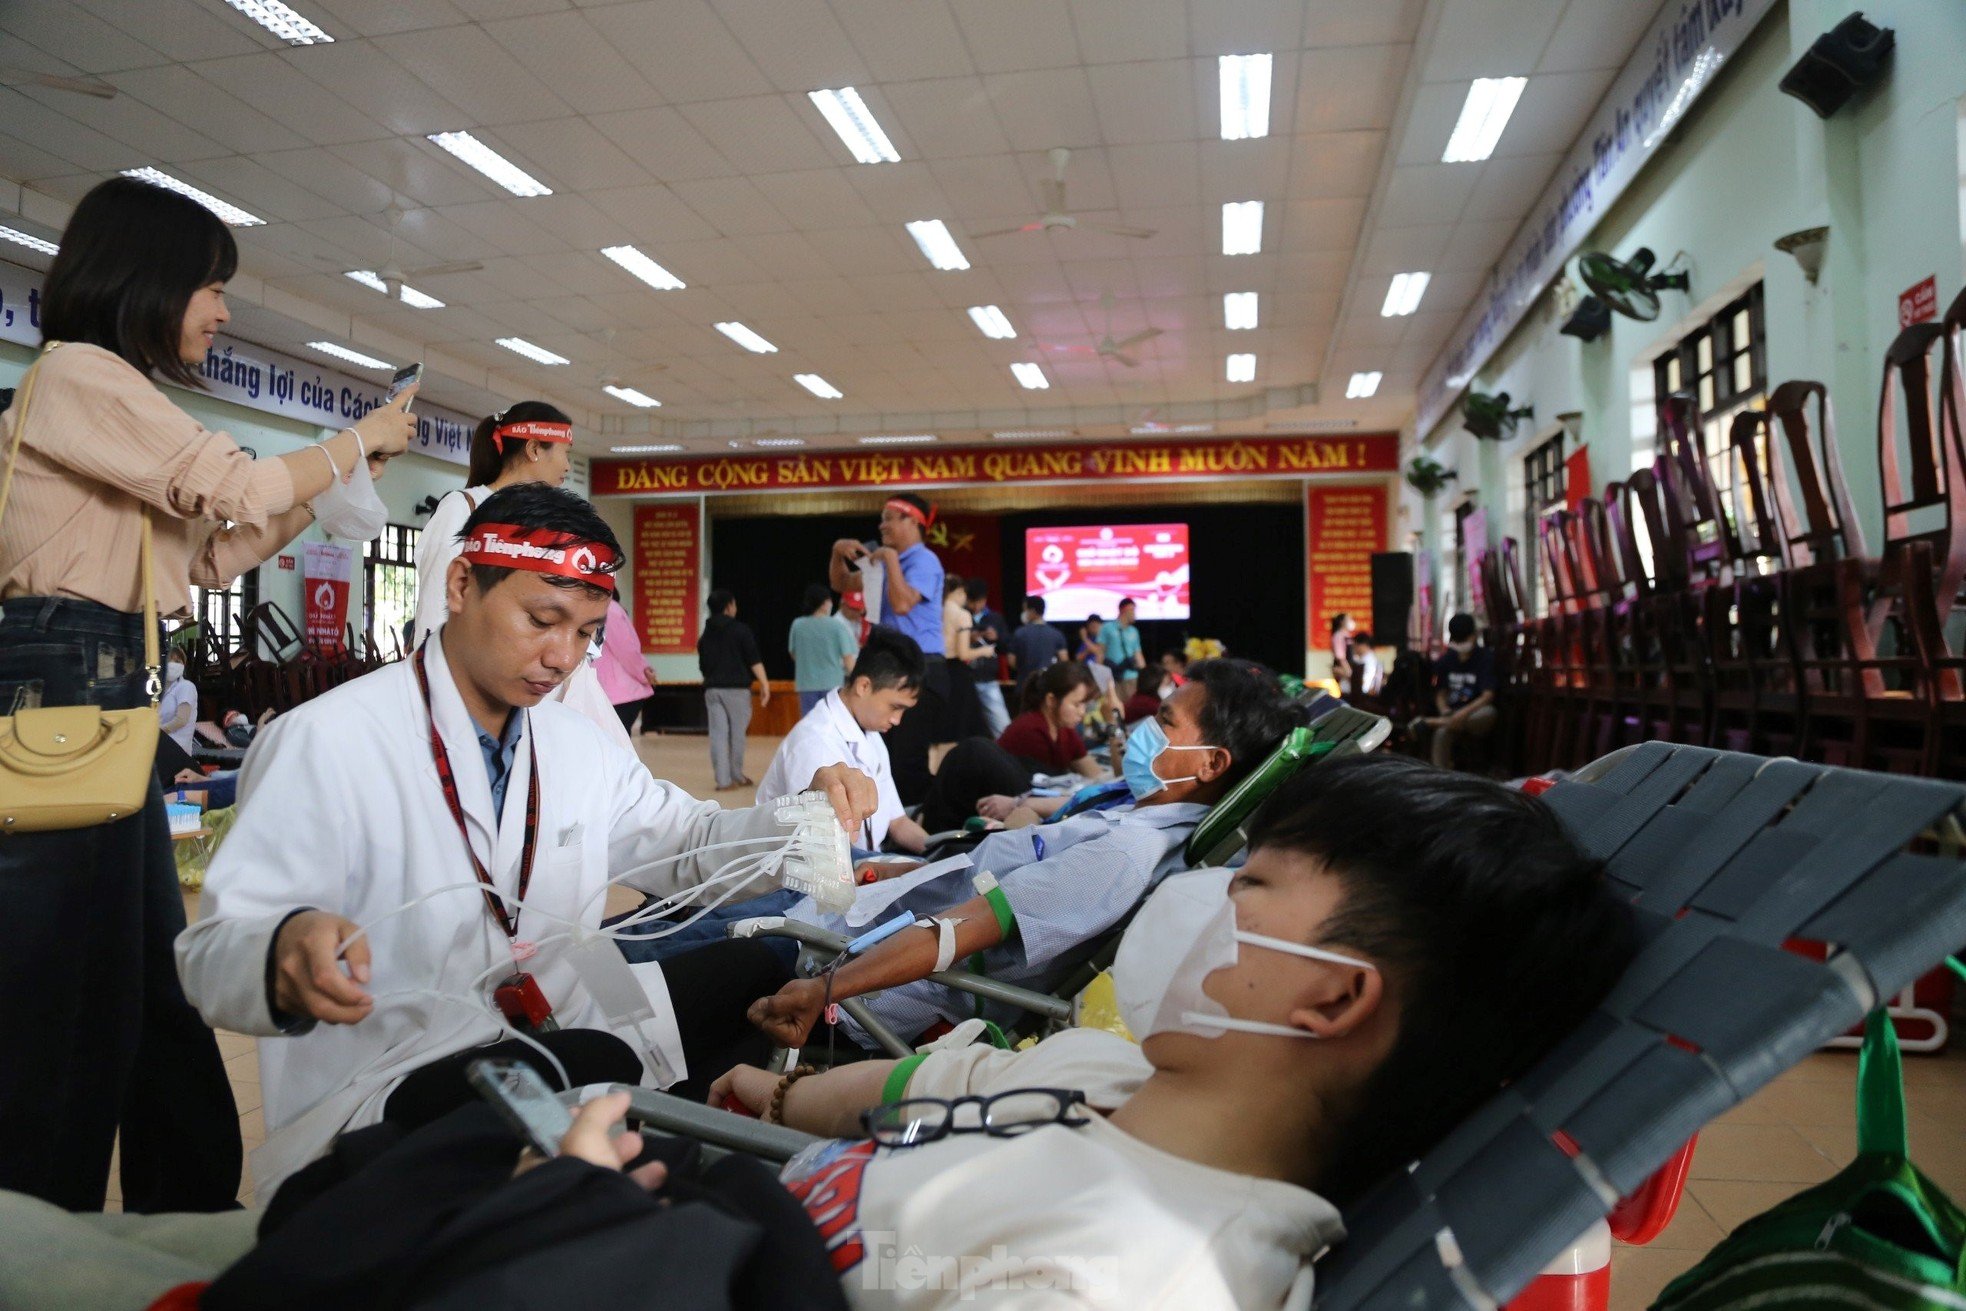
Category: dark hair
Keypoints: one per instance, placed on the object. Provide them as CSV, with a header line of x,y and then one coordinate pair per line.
x,y
953,583
1094,619
541,508
1127,604
720,600
1362,638
928,511
817,594
1460,628
131,258
1056,679
1246,711
1035,604
487,461
890,659
1178,653
1498,936
978,588
1338,622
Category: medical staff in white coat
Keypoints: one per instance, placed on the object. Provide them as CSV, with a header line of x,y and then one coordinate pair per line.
x,y
530,442
386,791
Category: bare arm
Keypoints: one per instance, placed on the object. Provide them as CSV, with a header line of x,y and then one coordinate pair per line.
x,y
840,570
906,834
827,1104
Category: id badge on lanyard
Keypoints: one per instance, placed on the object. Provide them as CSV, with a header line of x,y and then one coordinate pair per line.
x,y
518,996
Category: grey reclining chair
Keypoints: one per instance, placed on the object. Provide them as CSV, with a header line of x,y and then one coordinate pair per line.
x,y
1725,857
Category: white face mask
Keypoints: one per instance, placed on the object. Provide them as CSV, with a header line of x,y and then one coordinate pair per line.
x,y
350,509
173,671
1184,933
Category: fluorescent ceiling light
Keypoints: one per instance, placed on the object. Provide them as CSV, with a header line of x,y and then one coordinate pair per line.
x,y
343,353
1031,376
282,22
775,441
410,295
418,300
537,354
661,449
992,321
232,214
35,243
1031,434
746,338
1172,429
818,386
1403,297
1241,367
1486,112
492,164
1245,96
849,116
1242,227
368,279
913,439
937,244
639,399
644,268
1239,309
1362,385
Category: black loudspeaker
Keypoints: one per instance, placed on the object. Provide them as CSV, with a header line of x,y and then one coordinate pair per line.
x,y
1392,596
1842,62
1589,321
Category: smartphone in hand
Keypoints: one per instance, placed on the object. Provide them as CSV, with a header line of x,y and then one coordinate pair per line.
x,y
406,377
524,1101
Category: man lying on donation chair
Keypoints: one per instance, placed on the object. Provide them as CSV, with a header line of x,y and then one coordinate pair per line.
x,y
1401,943
1055,888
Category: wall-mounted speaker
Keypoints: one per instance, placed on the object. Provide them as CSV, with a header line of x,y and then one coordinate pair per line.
x,y
1844,60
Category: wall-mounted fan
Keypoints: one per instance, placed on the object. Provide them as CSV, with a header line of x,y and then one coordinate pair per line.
x,y
1628,286
1051,191
1490,418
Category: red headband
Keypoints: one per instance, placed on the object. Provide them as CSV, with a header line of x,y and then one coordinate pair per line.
x,y
913,511
542,551
539,430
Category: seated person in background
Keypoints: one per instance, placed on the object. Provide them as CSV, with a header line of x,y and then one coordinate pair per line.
x,y
991,779
1065,884
1139,700
239,730
1464,691
343,921
843,729
1401,944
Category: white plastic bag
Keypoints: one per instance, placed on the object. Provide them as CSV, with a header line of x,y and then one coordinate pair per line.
x,y
350,509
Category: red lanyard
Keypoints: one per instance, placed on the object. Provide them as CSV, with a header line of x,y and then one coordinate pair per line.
x,y
507,920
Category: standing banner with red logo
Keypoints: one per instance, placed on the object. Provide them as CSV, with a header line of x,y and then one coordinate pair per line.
x,y
327,573
1919,303
1347,524
1577,479
668,576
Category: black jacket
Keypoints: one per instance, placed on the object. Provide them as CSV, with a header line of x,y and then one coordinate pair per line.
x,y
726,652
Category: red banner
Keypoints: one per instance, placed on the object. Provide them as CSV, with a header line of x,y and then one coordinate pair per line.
x,y
1577,479
1347,524
1132,462
324,582
667,577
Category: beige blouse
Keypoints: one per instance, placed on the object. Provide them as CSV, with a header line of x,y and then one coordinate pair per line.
x,y
101,442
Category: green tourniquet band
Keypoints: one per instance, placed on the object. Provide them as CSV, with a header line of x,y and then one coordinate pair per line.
x,y
896,1086
1000,906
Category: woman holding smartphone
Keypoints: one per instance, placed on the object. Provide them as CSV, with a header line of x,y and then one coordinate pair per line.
x,y
100,1037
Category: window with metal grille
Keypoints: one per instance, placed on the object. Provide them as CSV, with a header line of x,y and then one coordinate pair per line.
x,y
1542,491
389,586
222,611
1723,365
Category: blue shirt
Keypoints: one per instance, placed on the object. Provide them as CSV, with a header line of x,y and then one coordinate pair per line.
x,y
1122,644
499,754
1035,646
923,572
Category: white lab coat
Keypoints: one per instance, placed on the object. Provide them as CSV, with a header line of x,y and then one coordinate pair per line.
x,y
436,548
340,810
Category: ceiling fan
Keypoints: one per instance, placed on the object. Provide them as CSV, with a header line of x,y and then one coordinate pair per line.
x,y
393,275
1109,347
1051,191
81,86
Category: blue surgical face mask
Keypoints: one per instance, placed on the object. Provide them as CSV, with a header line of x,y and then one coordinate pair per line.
x,y
1143,746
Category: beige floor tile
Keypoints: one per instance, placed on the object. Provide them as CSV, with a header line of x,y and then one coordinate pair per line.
x,y
1761,1152
1691,1230
246,1093
1800,1101
1638,1273
233,1044
1732,1202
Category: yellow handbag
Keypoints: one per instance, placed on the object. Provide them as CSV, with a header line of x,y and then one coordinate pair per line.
x,y
65,767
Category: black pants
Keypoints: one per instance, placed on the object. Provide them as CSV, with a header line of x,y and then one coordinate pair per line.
x,y
908,741
628,710
437,1089
975,768
100,1037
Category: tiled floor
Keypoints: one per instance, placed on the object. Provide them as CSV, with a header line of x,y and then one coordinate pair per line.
x,y
1798,1131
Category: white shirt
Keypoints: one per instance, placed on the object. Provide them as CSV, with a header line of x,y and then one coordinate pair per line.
x,y
1058,1217
180,692
829,735
340,809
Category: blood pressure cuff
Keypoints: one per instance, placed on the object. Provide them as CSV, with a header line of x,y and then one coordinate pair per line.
x,y
434,1221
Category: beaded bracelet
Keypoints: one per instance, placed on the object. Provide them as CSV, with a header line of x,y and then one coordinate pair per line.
x,y
775,1113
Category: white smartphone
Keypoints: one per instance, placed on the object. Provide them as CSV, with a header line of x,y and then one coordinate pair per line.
x,y
406,377
525,1101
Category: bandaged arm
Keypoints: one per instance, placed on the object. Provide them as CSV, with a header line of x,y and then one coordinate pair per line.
x,y
914,953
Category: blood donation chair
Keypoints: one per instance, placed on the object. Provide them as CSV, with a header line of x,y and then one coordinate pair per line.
x,y
1340,730
1729,861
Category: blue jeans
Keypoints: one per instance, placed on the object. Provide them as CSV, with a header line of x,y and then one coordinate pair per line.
x,y
100,1038
996,716
713,927
807,700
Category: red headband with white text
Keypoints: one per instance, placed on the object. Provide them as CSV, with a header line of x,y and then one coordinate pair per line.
x,y
541,551
913,511
539,430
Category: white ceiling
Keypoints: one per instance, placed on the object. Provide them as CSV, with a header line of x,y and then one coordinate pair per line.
x,y
683,127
